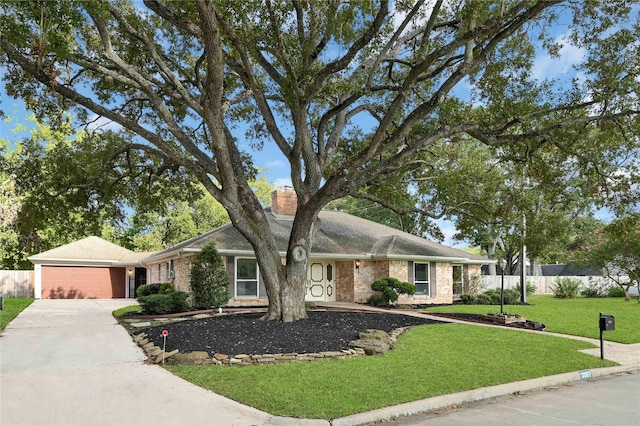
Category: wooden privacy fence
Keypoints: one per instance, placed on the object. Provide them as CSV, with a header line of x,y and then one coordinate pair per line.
x,y
16,283
543,284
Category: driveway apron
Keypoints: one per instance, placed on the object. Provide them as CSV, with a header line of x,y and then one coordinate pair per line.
x,y
68,362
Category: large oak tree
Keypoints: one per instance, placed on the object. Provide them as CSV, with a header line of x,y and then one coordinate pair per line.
x,y
347,91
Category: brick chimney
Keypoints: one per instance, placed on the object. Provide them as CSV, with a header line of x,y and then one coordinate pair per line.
x,y
284,201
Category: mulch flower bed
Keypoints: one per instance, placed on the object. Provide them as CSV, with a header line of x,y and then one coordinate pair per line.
x,y
245,333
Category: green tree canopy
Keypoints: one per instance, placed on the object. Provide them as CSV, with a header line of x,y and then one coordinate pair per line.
x,y
616,251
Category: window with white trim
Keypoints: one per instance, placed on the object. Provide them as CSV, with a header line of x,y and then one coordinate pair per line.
x,y
246,277
421,278
458,279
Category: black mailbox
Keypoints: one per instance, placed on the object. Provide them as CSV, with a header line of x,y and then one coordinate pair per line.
x,y
607,322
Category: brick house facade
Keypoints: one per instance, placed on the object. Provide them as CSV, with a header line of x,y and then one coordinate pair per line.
x,y
350,253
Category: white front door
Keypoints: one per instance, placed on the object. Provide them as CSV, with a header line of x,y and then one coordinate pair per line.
x,y
321,282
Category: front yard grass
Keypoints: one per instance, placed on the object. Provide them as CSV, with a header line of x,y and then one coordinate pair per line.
x,y
12,307
125,310
426,361
577,317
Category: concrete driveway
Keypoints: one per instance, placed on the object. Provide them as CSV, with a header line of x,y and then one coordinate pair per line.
x,y
68,362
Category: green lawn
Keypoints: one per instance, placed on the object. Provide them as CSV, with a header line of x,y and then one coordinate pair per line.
x,y
578,317
12,307
125,310
427,361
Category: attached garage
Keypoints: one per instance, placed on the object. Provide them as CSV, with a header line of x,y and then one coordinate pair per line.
x,y
91,268
83,282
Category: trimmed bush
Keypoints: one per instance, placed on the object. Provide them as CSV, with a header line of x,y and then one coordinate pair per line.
x,y
390,288
468,299
154,288
167,303
484,299
209,279
566,288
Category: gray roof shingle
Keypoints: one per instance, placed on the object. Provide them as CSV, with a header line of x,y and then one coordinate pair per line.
x,y
339,234
89,249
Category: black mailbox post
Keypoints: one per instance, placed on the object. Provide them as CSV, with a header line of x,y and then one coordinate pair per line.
x,y
607,323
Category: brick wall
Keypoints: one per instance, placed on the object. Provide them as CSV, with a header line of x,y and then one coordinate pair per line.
x,y
182,273
344,280
284,201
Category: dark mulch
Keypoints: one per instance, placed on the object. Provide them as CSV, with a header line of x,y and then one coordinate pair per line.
x,y
246,334
532,325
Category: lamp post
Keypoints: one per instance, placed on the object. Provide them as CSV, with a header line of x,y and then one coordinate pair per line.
x,y
502,264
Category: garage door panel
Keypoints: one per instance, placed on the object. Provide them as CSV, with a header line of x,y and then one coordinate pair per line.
x,y
67,282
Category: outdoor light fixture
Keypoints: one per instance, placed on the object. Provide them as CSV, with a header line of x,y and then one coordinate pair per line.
x,y
358,265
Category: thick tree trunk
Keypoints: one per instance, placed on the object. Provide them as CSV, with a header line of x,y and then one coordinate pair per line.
x,y
293,292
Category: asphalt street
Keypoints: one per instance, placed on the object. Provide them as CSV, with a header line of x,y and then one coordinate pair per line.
x,y
606,401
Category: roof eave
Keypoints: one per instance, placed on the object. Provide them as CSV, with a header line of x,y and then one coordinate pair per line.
x,y
448,259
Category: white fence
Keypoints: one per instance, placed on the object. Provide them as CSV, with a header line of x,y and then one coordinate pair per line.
x,y
16,283
543,284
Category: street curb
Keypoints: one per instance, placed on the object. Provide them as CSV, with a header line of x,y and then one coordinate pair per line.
x,y
440,402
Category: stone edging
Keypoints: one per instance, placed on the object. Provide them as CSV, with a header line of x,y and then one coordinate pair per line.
x,y
157,355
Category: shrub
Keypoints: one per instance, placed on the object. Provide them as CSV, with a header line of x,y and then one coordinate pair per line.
x,y
615,292
484,299
154,288
166,288
590,292
391,287
377,299
566,288
511,296
167,303
468,299
209,279
531,288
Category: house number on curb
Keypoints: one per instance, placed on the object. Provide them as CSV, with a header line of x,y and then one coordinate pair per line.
x,y
585,374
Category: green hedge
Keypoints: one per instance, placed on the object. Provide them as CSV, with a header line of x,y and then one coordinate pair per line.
x,y
167,303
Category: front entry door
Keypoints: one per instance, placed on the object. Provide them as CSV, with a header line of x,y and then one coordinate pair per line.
x,y
321,284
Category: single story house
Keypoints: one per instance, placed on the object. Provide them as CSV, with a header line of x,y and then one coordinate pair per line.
x,y
91,268
348,254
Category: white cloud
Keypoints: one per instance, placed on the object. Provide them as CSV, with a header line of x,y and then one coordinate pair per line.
x,y
275,164
547,66
102,124
282,182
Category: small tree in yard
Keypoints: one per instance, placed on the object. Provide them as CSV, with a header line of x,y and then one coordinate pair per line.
x,y
617,253
390,289
209,279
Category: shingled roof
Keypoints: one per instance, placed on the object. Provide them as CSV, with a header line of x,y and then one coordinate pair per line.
x,y
339,235
90,249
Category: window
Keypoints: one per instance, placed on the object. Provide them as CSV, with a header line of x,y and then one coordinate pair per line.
x,y
421,278
170,275
458,280
246,277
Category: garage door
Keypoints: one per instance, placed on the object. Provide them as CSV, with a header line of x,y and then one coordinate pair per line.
x,y
66,282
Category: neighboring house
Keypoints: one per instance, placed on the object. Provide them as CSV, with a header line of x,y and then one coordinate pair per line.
x,y
348,254
91,268
565,270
